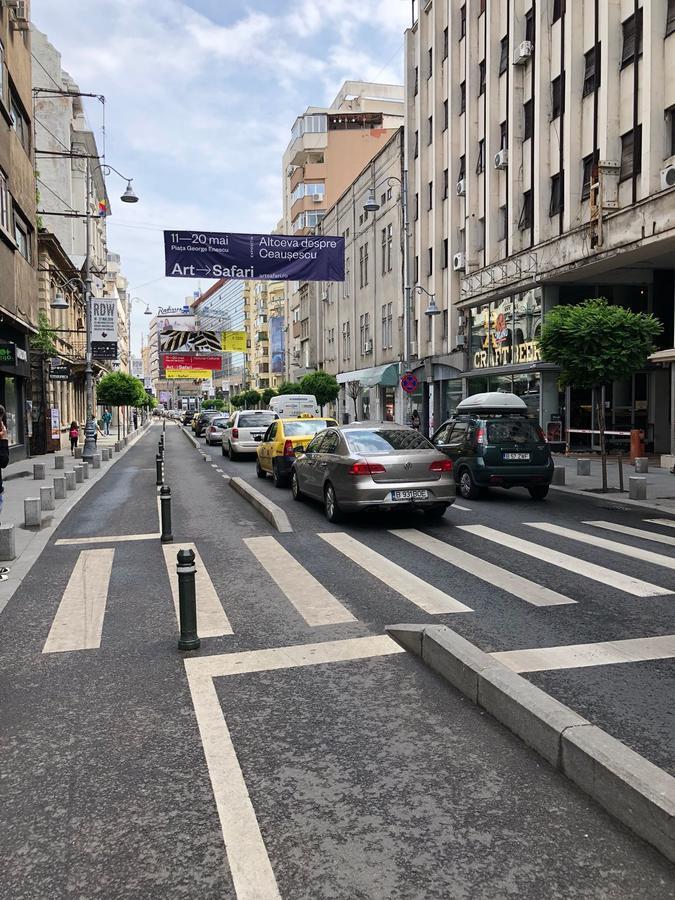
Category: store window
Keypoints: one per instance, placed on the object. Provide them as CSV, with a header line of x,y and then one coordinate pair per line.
x,y
527,322
11,405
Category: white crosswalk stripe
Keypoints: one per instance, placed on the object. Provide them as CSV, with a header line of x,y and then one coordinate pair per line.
x,y
423,595
211,618
649,556
635,532
501,578
575,656
670,523
571,564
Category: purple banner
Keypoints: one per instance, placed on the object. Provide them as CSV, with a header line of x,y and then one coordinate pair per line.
x,y
278,257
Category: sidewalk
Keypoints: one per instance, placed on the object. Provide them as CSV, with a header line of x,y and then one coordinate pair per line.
x,y
19,484
660,482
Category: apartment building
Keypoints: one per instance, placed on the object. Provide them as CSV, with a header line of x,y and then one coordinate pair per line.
x,y
541,152
329,146
18,251
264,315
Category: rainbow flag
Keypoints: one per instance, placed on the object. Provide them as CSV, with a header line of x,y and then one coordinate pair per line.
x,y
102,208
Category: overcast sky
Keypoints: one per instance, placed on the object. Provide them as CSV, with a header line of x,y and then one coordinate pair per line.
x,y
200,99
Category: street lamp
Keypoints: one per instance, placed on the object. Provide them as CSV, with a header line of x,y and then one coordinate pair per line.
x,y
431,310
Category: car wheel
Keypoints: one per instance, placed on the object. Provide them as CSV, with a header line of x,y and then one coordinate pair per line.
x,y
259,471
222,449
231,453
295,486
330,505
436,513
467,486
539,491
280,481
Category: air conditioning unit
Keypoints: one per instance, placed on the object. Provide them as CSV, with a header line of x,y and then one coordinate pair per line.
x,y
368,346
501,159
318,198
524,51
461,187
290,170
459,262
667,178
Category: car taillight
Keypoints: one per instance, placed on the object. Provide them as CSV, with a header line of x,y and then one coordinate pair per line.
x,y
366,468
480,435
441,465
235,433
288,448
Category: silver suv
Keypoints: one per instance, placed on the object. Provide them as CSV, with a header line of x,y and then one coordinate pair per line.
x,y
245,430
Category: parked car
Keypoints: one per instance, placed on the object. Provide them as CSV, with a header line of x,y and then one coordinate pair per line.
x,y
492,442
188,415
373,465
283,438
244,430
203,420
213,433
193,420
293,405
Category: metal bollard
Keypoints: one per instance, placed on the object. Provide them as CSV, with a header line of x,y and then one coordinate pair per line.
x,y
165,507
187,600
159,462
163,425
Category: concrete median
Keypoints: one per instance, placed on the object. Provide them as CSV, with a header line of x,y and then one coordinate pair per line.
x,y
268,510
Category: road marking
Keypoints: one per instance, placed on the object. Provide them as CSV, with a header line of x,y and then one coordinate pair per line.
x,y
649,556
211,618
575,656
507,581
422,594
109,539
635,532
669,522
78,622
570,563
463,508
247,857
316,605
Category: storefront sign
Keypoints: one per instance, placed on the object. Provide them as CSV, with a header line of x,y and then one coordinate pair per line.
x,y
104,320
104,349
233,341
7,354
528,351
59,372
188,361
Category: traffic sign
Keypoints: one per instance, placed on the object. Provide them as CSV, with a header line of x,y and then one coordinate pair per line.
x,y
409,383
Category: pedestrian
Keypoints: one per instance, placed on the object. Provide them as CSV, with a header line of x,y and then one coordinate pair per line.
x,y
4,452
415,420
73,434
107,419
135,418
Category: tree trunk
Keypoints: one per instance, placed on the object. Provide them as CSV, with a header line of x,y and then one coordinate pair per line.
x,y
118,423
601,427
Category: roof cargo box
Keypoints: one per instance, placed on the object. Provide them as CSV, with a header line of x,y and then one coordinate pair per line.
x,y
493,401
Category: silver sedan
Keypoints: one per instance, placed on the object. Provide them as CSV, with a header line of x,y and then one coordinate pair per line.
x,y
371,464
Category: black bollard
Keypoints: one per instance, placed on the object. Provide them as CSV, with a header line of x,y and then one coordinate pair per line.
x,y
187,600
159,462
165,506
163,425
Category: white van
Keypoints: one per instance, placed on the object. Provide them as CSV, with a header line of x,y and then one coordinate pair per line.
x,y
288,406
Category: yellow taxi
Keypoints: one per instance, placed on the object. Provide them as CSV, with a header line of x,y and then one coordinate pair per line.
x,y
193,423
276,451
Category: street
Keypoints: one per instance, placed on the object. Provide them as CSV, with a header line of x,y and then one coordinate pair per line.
x,y
299,752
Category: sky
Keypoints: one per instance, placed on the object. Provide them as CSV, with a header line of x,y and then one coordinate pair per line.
x,y
200,99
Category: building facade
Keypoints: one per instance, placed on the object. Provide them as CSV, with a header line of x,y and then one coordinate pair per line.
x,y
540,146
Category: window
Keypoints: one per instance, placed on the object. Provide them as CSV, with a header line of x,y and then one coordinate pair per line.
x,y
529,25
365,332
589,175
462,22
504,55
462,98
631,154
417,80
430,261
387,331
480,165
22,235
417,206
430,130
503,135
501,223
417,144
445,184
591,71
346,340
481,77
557,190
558,96
430,195
345,285
480,235
632,38
417,270
558,9
445,253
387,241
462,167
445,115
430,62
481,7
526,212
363,265
670,18
2,71
4,202
445,43
670,124
19,122
528,112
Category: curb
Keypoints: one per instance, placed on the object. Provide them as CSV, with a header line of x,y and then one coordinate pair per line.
x,y
628,786
619,499
265,507
195,443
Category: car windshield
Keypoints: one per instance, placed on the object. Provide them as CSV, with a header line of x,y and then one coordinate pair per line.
x,y
386,440
308,426
519,431
256,420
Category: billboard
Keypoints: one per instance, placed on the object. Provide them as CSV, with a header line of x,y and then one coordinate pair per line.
x,y
179,332
215,254
234,341
275,325
192,374
189,361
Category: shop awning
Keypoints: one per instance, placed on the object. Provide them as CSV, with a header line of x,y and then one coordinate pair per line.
x,y
385,375
663,356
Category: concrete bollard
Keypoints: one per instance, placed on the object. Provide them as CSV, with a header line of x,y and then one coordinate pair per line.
x,y
126,440
79,474
558,475
59,462
7,543
78,453
39,470
85,470
71,481
32,513
637,487
187,600
47,498
118,446
96,460
583,467
60,487
641,465
105,454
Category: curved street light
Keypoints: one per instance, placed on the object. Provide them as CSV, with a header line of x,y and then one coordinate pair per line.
x,y
432,309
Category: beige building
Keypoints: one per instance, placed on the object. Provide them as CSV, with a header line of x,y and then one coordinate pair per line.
x,y
264,309
541,153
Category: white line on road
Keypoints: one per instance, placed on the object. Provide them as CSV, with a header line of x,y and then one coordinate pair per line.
x,y
574,656
570,563
211,618
463,508
649,556
106,539
669,522
419,592
501,578
78,622
316,605
635,532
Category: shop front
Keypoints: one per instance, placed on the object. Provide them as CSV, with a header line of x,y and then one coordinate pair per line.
x,y
372,394
14,374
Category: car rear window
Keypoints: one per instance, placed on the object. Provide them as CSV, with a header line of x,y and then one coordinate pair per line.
x,y
386,440
256,420
309,426
508,431
220,423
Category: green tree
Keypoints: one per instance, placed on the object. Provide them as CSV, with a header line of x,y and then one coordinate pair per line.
x,y
45,339
214,404
267,395
237,400
354,391
289,387
322,385
596,343
251,398
120,389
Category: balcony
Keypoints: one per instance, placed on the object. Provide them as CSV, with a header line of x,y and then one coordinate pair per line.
x,y
296,329
262,337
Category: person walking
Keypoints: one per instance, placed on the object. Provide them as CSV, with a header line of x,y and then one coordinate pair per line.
x,y
415,420
73,434
135,418
107,419
4,452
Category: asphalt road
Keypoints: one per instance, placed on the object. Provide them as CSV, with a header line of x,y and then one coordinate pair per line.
x,y
340,769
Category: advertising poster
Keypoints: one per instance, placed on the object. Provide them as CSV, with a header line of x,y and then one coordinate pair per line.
x,y
55,424
189,361
233,341
103,320
180,333
276,330
192,374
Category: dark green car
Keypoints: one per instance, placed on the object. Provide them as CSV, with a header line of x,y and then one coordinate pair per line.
x,y
492,447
